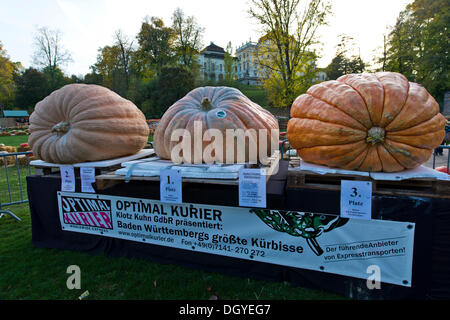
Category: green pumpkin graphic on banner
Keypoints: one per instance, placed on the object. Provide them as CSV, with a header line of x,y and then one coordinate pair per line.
x,y
301,224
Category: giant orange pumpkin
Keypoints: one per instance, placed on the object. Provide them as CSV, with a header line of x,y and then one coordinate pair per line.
x,y
80,123
366,122
218,108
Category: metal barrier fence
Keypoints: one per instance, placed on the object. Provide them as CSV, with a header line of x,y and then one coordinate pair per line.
x,y
14,168
435,153
286,152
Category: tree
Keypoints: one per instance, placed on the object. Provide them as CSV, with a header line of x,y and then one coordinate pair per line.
x,y
32,86
418,45
7,71
228,64
345,62
156,46
76,79
109,68
171,85
380,58
49,53
285,51
93,77
188,41
400,54
114,66
126,52
55,78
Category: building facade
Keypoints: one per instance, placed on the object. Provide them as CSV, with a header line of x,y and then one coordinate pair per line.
x,y
246,67
212,62
321,76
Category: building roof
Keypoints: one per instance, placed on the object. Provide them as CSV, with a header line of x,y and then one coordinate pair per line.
x,y
246,46
214,48
15,113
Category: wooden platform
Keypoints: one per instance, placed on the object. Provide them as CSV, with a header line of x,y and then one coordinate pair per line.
x,y
109,179
45,168
416,187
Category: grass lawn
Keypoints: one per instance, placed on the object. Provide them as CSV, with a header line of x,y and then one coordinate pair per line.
x,y
14,141
31,273
255,93
27,272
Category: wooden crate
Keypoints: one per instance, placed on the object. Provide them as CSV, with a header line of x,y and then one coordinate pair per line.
x,y
418,187
111,179
43,168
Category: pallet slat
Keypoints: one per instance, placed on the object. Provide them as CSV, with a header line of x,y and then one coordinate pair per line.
x,y
110,179
45,168
422,187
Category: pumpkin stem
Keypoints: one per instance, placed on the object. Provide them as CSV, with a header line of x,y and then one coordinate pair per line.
x,y
61,128
375,135
206,103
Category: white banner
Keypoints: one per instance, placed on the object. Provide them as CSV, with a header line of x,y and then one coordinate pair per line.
x,y
377,250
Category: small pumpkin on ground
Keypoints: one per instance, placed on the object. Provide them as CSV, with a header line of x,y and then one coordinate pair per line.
x,y
81,123
10,160
443,169
25,160
366,122
219,108
24,147
9,149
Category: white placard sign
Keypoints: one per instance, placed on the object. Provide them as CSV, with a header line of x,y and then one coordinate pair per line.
x,y
252,188
171,186
87,178
67,178
314,241
356,199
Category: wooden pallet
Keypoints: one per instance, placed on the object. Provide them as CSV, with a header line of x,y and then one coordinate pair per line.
x,y
101,167
417,187
110,179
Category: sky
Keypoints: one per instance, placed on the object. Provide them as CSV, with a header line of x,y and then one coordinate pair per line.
x,y
87,25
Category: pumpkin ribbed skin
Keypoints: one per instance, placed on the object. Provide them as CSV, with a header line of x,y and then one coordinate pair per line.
x,y
218,108
366,122
81,123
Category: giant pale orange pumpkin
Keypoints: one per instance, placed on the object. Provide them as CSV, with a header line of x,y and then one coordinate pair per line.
x,y
221,109
366,122
81,123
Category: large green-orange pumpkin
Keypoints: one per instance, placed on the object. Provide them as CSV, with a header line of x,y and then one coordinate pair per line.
x,y
219,108
366,122
81,123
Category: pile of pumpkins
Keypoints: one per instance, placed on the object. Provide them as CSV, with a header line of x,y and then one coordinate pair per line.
x,y
15,133
366,122
22,159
